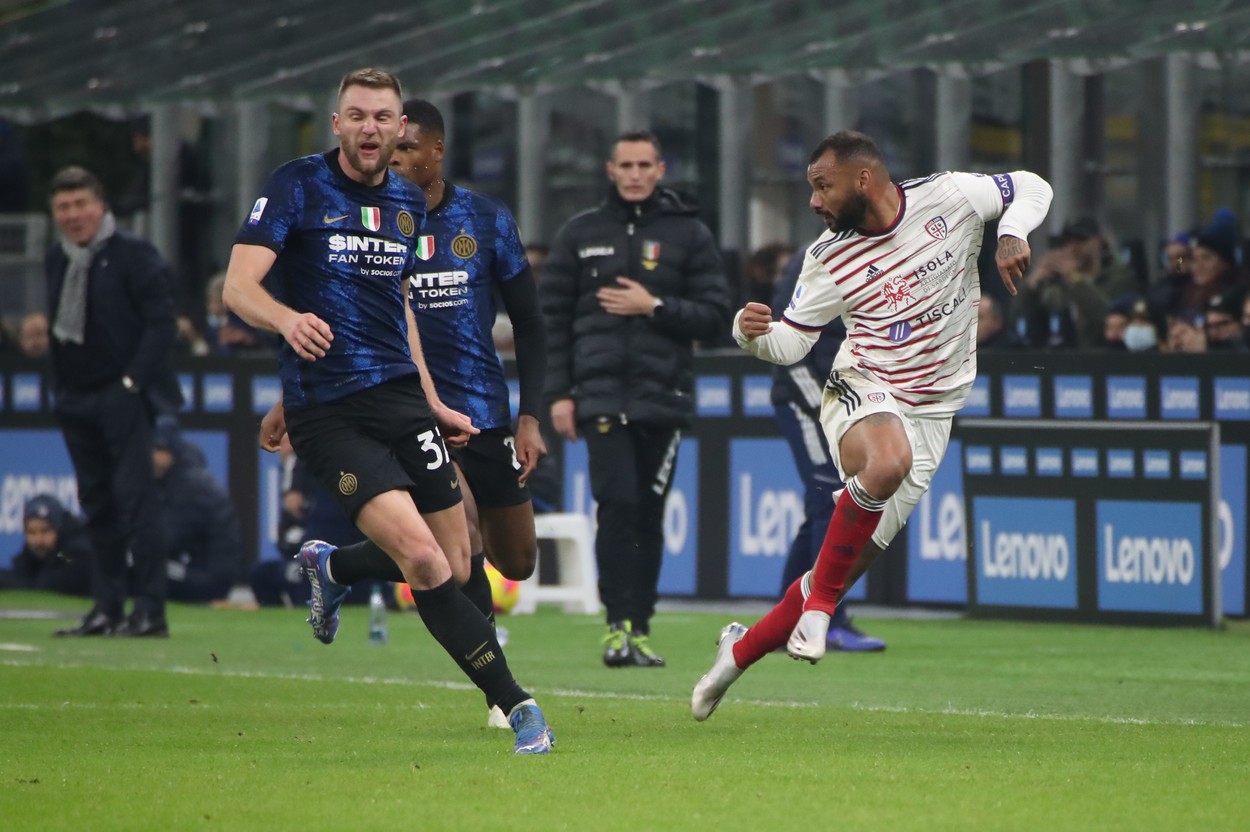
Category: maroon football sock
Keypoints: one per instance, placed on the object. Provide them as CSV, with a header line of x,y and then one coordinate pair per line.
x,y
771,631
850,528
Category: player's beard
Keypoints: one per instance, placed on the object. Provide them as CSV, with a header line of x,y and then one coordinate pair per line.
x,y
385,150
851,216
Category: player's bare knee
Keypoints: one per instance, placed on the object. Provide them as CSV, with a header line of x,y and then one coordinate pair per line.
x,y
417,555
460,571
884,474
516,564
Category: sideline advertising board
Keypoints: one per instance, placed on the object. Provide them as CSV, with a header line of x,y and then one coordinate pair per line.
x,y
1093,521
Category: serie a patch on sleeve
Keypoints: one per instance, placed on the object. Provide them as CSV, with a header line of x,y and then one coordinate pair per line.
x,y
257,210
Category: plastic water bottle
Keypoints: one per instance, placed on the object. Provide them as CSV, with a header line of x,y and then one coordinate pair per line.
x,y
378,633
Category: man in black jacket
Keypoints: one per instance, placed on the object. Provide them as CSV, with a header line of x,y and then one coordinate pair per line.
x,y
629,286
112,331
57,554
202,534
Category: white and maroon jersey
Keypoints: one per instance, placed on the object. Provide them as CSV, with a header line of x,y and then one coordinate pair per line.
x,y
908,295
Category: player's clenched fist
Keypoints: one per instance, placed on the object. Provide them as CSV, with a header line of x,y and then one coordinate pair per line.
x,y
756,319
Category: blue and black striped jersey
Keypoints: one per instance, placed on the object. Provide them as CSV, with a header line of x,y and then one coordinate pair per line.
x,y
469,245
344,250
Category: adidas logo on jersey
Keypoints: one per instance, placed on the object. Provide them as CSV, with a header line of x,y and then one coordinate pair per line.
x,y
873,274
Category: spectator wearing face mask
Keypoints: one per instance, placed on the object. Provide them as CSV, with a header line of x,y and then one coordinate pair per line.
x,y
1116,321
1140,334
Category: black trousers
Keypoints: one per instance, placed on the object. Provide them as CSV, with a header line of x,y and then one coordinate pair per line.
x,y
631,472
108,433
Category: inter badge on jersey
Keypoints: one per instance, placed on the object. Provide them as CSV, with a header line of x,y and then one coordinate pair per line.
x,y
371,218
464,246
425,246
407,225
650,254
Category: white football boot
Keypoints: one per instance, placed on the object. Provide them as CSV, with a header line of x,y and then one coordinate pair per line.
x,y
712,687
807,640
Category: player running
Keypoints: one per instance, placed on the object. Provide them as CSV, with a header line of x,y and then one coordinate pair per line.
x,y
469,249
899,265
336,237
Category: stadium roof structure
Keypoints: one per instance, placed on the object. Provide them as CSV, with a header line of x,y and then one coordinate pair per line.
x,y
63,56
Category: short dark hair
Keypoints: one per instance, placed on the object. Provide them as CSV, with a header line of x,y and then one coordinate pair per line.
x,y
373,78
426,116
847,144
638,136
75,178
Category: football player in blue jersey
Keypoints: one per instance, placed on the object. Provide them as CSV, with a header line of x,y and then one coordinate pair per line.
x,y
335,236
470,249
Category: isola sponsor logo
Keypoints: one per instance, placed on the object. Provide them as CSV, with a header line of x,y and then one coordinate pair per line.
x,y
942,311
1136,559
933,271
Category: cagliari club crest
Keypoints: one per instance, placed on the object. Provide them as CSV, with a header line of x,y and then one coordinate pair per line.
x,y
936,228
650,254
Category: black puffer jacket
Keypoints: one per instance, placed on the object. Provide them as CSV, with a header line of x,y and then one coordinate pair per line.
x,y
633,367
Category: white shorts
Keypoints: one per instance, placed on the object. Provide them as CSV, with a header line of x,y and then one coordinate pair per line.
x,y
850,397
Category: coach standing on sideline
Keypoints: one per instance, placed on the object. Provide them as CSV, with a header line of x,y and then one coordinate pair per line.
x,y
629,286
112,330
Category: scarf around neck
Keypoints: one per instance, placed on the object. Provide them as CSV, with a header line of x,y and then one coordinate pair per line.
x,y
71,313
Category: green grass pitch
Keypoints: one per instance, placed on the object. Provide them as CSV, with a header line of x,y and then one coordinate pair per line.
x,y
241,721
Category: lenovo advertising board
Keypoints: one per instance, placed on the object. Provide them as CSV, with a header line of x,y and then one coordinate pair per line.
x,y
1129,536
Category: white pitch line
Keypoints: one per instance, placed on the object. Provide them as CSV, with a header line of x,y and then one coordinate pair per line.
x,y
573,693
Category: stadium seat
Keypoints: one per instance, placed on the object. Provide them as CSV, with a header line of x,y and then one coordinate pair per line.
x,y
577,590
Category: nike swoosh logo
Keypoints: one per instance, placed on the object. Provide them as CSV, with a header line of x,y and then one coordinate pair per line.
x,y
455,483
329,220
476,650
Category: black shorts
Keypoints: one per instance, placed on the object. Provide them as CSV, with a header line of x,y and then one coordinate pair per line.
x,y
491,469
378,440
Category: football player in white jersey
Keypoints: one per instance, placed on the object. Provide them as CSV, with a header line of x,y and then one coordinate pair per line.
x,y
899,265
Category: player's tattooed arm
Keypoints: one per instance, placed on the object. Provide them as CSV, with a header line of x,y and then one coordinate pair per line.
x,y
1012,257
